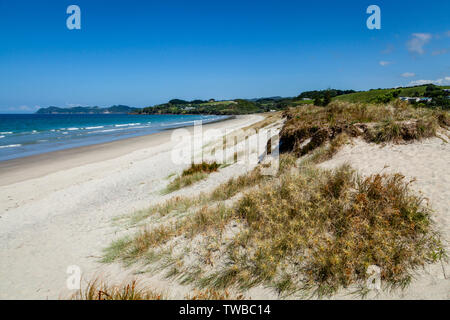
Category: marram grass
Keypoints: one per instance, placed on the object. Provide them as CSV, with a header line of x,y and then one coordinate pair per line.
x,y
194,173
308,230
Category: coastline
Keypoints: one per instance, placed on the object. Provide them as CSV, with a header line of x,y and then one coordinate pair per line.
x,y
57,209
34,166
67,217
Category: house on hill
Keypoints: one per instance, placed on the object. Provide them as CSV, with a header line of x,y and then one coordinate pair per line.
x,y
416,99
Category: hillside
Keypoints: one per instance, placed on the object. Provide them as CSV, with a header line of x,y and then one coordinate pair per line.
x,y
242,106
226,107
375,95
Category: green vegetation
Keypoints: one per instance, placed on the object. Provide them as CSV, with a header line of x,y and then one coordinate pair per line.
x,y
242,106
238,106
316,97
321,94
381,96
441,98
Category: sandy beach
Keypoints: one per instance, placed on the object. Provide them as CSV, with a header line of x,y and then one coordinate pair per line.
x,y
56,209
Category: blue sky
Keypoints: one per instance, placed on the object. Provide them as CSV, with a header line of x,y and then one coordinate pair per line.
x,y
141,53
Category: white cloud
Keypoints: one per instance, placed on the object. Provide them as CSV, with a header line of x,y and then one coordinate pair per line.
x,y
415,45
384,63
439,52
420,82
439,82
408,74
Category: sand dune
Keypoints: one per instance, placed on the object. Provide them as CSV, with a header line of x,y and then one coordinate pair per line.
x,y
427,161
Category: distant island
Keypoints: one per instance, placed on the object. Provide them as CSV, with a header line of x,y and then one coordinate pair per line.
x,y
117,109
428,95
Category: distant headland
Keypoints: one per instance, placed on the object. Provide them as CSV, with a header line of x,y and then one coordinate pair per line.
x,y
117,109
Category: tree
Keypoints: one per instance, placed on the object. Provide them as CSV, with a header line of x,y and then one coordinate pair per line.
x,y
178,101
326,99
317,101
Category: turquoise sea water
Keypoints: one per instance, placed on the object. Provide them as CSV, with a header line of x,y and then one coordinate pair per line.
x,y
28,134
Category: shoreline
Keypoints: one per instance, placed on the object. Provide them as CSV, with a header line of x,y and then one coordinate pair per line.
x,y
35,166
68,217
57,210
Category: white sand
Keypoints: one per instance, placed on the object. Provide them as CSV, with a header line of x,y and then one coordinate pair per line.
x,y
427,161
56,209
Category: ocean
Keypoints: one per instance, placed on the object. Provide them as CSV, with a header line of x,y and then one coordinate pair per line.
x,y
24,135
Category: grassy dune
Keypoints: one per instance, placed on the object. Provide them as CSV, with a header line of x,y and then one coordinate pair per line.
x,y
194,173
310,127
306,231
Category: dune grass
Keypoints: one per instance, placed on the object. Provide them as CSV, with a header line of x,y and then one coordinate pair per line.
x,y
306,230
99,289
310,127
338,225
180,205
194,173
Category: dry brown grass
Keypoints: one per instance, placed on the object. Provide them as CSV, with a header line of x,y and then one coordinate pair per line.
x,y
194,173
201,167
99,289
338,225
310,127
269,118
211,294
181,204
130,249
